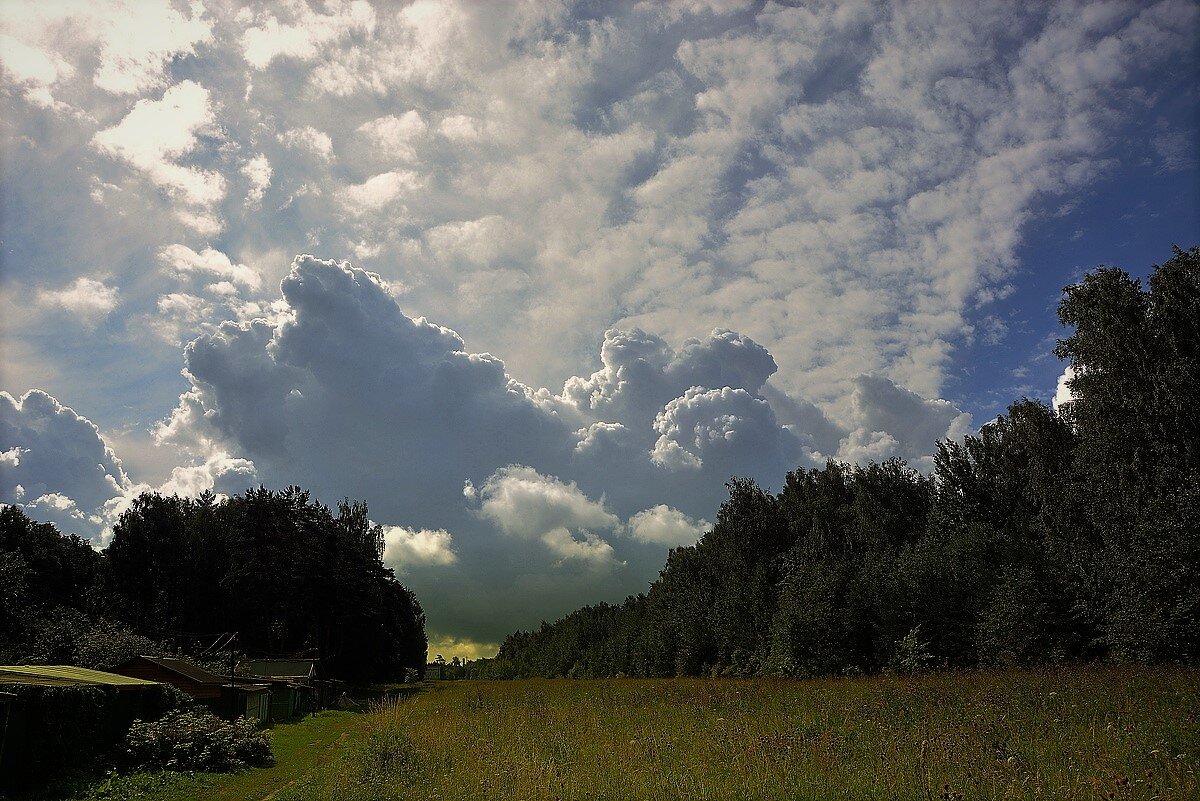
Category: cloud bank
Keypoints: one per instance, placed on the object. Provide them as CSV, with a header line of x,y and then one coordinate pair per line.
x,y
708,239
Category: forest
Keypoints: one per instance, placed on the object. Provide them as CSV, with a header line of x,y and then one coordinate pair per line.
x,y
1053,536
264,573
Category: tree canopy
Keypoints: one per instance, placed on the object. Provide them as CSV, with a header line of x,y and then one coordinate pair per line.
x,y
287,574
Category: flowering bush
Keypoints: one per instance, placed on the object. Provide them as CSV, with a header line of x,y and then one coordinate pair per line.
x,y
196,739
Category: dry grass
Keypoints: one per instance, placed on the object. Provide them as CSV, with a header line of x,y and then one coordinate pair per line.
x,y
1097,733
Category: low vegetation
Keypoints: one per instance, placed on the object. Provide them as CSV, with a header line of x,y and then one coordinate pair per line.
x,y
196,739
1096,733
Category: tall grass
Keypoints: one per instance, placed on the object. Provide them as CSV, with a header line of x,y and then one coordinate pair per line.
x,y
1096,733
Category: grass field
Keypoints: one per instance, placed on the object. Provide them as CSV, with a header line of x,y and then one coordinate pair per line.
x,y
1100,733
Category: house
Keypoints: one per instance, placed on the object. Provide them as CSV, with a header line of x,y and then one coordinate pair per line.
x,y
434,671
50,714
238,698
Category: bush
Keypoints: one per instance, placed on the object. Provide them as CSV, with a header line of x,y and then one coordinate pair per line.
x,y
196,739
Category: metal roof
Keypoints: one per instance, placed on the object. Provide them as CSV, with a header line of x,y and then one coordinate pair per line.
x,y
285,668
65,676
186,669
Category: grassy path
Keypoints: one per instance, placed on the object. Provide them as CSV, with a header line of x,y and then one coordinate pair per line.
x,y
299,749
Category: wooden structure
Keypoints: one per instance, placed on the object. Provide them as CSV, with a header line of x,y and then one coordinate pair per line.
x,y
192,679
241,697
50,715
297,685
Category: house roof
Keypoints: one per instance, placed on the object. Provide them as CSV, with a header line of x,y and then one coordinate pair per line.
x,y
66,676
283,668
185,669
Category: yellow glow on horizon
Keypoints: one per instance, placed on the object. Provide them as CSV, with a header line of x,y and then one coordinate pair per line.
x,y
450,647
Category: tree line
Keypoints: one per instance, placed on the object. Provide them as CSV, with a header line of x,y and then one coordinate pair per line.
x,y
287,574
1052,536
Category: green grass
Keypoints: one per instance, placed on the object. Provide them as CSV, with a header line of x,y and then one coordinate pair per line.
x,y
1097,733
298,747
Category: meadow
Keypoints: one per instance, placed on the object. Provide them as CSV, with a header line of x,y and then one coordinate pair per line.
x,y
1088,733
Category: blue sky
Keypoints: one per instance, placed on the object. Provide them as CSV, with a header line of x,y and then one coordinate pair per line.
x,y
534,279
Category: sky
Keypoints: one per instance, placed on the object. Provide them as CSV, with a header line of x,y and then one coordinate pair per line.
x,y
535,279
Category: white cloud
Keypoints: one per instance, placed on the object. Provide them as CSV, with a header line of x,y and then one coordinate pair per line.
x,y
58,458
258,173
140,39
886,420
157,135
525,503
307,33
1062,391
125,47
395,136
219,473
208,263
87,299
663,525
379,191
721,426
34,70
309,140
405,549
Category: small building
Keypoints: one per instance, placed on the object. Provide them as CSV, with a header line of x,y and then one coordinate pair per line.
x,y
228,699
434,671
52,716
247,700
192,679
297,685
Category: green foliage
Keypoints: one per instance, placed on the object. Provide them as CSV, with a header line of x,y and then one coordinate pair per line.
x,y
911,654
196,739
288,574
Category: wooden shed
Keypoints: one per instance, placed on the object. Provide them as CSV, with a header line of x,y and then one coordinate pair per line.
x,y
240,698
54,717
192,679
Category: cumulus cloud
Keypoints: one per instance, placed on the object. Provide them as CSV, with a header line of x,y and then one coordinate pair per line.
x,y
1062,391
257,172
379,191
887,421
845,186
395,136
32,69
309,140
663,525
157,135
87,299
407,548
524,503
208,263
56,462
129,47
725,426
305,33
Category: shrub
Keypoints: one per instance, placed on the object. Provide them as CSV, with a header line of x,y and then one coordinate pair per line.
x,y
196,739
911,654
